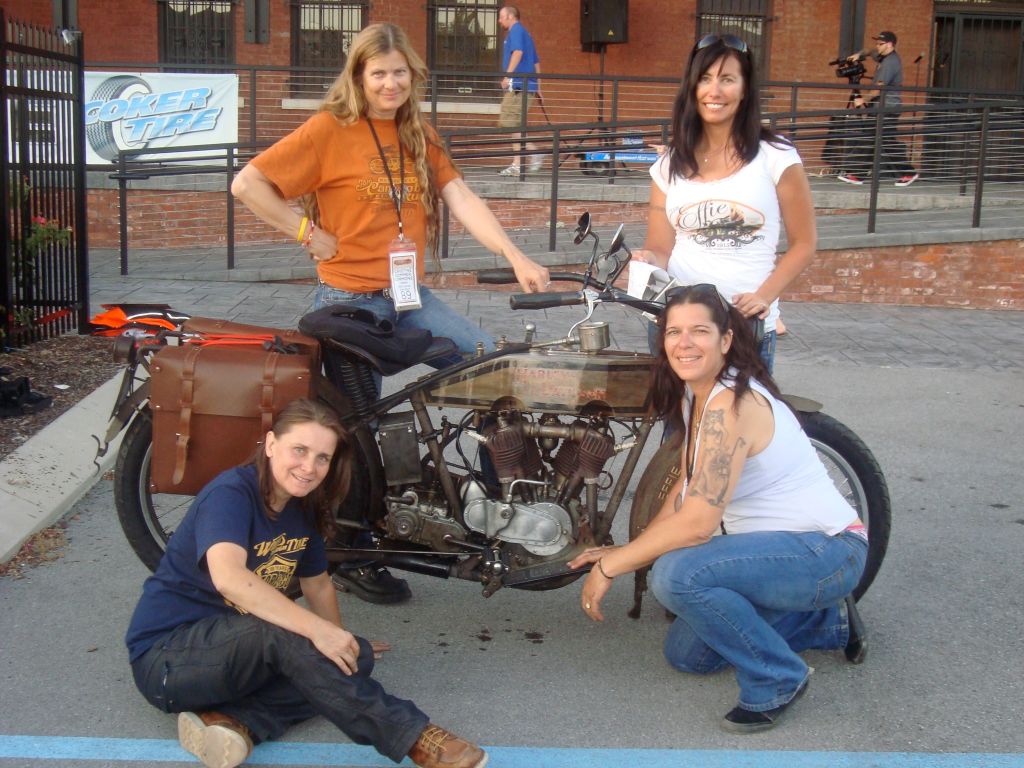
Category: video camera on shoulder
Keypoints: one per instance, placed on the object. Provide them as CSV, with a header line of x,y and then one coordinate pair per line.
x,y
853,71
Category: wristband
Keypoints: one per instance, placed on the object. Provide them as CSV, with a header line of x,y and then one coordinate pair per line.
x,y
302,229
601,569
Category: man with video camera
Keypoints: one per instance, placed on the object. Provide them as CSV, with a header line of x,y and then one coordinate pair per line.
x,y
889,79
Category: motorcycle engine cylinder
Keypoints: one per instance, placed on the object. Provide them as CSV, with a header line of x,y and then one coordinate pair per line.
x,y
514,455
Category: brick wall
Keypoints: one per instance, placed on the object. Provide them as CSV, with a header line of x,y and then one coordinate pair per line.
x,y
804,35
987,275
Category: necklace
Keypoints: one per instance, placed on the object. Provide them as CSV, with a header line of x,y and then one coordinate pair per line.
x,y
691,444
710,154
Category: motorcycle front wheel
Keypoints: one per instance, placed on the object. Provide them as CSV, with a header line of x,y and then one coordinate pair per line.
x,y
858,477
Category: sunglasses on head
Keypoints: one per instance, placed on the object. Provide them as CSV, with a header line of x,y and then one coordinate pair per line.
x,y
729,41
685,291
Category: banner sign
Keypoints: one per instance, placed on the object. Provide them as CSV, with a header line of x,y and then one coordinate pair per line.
x,y
155,110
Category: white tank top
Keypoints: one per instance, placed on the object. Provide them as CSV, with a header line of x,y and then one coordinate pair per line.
x,y
785,487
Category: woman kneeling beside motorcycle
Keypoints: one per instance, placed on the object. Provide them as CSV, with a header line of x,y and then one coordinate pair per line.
x,y
779,583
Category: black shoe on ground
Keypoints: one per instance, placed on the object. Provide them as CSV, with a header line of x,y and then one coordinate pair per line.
x,y
740,720
372,583
857,645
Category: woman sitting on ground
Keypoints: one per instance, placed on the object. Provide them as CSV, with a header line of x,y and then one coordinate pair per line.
x,y
214,638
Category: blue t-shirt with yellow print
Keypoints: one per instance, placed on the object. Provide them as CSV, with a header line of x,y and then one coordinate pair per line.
x,y
228,509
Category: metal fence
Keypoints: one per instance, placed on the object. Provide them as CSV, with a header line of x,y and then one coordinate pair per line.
x,y
966,147
44,280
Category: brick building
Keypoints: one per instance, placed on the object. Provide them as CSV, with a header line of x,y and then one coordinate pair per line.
x,y
962,44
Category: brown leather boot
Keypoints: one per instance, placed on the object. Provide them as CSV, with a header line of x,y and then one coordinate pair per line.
x,y
218,740
438,748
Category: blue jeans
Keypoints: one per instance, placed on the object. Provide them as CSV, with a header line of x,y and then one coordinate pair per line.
x,y
755,601
268,679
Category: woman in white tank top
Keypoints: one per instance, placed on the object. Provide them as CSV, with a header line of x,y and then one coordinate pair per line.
x,y
779,582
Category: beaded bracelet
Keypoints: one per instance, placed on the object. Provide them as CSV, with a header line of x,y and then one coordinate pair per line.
x,y
309,235
302,229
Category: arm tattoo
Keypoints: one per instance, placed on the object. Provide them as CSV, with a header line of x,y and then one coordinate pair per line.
x,y
711,480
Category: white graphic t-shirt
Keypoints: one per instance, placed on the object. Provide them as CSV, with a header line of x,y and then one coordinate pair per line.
x,y
727,230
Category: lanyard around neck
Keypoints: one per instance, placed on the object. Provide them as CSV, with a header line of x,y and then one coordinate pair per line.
x,y
397,192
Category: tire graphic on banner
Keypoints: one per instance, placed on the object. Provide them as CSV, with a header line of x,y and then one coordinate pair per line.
x,y
106,138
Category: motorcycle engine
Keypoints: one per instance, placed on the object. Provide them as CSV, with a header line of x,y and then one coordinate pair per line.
x,y
541,528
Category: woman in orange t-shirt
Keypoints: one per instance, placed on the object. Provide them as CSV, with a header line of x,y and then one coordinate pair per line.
x,y
372,175
370,170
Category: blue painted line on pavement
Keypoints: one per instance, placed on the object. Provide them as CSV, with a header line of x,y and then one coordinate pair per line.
x,y
354,756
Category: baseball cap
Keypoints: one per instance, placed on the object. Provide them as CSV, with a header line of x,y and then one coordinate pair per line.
x,y
886,37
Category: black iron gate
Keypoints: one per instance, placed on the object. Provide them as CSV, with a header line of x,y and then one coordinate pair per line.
x,y
44,288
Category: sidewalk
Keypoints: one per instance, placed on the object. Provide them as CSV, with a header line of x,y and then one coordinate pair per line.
x,y
45,477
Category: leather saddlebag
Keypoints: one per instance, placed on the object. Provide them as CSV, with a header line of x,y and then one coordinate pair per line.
x,y
212,404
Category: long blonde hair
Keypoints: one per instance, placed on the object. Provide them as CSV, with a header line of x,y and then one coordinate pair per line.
x,y
347,102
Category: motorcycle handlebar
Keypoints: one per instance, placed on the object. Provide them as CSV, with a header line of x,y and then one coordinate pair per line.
x,y
546,300
496,276
506,276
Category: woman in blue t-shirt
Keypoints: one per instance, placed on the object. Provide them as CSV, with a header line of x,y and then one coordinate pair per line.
x,y
214,638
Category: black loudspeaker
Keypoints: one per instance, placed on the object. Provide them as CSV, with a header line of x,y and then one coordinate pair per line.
x,y
603,22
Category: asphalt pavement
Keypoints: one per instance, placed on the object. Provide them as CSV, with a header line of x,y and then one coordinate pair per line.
x,y
935,393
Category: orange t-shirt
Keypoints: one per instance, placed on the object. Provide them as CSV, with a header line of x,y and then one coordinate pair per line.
x,y
342,165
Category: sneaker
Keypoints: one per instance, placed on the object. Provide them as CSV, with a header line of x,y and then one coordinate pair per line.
x,y
372,583
438,748
906,181
218,740
740,720
512,170
849,178
536,161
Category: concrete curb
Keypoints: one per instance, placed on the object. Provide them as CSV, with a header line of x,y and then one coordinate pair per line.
x,y
45,477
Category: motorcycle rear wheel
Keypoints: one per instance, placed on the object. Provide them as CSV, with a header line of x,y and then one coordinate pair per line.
x,y
147,519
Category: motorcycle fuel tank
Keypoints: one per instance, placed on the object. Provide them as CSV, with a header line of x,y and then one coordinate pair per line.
x,y
553,381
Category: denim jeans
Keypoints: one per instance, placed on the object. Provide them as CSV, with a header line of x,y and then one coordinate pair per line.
x,y
755,601
269,679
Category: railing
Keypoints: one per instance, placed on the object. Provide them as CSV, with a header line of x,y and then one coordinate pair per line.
x,y
43,277
969,155
275,100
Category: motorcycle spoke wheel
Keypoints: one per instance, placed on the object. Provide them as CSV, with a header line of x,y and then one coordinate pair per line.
x,y
858,477
147,519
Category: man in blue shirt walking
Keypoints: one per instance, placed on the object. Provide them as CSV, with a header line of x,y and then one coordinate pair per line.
x,y
520,57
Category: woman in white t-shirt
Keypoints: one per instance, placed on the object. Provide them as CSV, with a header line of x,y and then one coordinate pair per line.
x,y
781,581
724,189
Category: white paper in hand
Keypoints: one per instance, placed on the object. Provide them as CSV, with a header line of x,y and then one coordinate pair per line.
x,y
649,283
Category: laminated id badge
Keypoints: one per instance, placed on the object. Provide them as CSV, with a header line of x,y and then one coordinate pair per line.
x,y
405,290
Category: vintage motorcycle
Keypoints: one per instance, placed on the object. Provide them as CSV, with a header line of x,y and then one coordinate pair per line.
x,y
535,449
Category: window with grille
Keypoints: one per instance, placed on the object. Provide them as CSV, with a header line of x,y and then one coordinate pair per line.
x,y
464,35
322,31
747,19
196,32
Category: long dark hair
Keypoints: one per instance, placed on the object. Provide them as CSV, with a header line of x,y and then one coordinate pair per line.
x,y
320,503
688,128
667,390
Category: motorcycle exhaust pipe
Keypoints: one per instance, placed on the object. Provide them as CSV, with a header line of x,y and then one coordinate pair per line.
x,y
401,560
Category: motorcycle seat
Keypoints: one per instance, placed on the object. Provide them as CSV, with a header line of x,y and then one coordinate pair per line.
x,y
439,347
374,340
